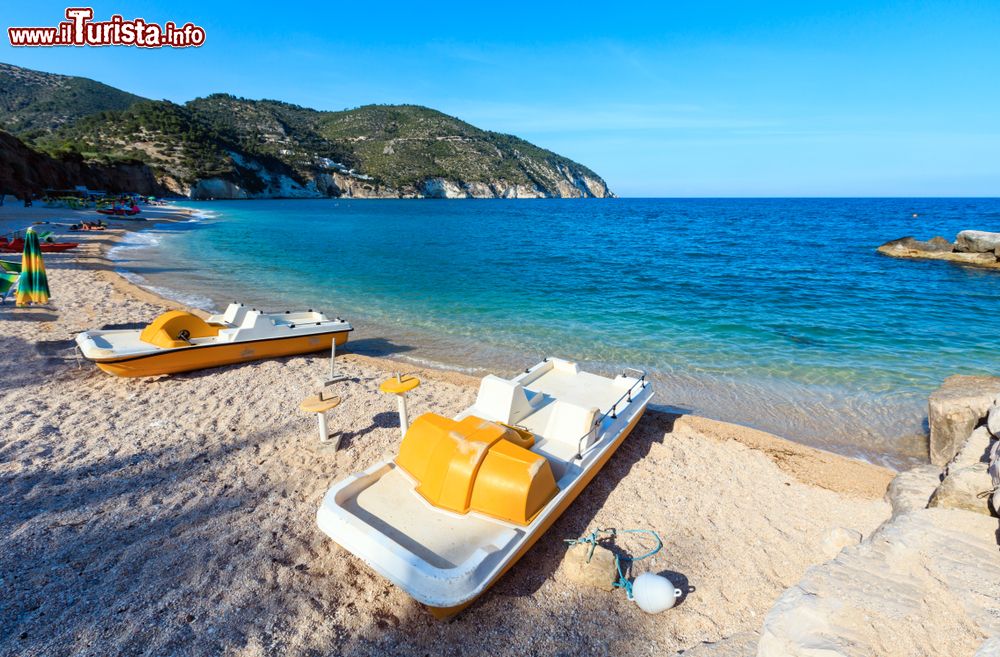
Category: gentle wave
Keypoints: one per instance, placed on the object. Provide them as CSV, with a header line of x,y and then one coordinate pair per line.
x,y
188,299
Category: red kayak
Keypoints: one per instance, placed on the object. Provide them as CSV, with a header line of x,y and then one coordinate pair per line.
x,y
17,246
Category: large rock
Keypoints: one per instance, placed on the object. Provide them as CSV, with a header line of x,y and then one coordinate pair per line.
x,y
954,410
927,583
993,419
977,241
911,490
976,449
966,488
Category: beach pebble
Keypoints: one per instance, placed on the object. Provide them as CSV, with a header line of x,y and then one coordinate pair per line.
x,y
837,539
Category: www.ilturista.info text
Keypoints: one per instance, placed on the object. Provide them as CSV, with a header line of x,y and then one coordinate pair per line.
x,y
81,30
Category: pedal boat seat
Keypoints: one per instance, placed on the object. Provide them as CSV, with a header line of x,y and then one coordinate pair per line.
x,y
476,465
176,328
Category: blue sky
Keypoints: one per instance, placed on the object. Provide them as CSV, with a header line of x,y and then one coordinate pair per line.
x,y
665,99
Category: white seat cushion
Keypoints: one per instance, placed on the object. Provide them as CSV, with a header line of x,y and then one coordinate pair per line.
x,y
569,422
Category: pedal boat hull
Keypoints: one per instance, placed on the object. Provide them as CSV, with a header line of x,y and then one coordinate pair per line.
x,y
446,589
199,357
181,342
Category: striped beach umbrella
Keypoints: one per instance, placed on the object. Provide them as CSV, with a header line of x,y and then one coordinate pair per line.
x,y
34,285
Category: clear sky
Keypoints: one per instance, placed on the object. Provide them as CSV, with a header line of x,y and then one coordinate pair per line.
x,y
667,99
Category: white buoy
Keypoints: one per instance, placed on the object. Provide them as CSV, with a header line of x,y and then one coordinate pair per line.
x,y
654,593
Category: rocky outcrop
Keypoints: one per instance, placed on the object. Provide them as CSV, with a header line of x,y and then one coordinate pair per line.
x,y
970,248
927,583
954,410
977,241
26,171
912,489
964,488
966,481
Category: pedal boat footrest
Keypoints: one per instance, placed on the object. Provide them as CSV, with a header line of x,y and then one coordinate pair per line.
x,y
476,465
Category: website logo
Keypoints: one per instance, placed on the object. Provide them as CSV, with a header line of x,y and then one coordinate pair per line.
x,y
80,29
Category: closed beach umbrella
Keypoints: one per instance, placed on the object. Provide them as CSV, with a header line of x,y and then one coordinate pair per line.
x,y
34,285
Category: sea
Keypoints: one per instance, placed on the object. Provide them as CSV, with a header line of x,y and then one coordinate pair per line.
x,y
772,313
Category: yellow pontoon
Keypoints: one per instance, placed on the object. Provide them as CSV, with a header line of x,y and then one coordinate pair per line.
x,y
179,341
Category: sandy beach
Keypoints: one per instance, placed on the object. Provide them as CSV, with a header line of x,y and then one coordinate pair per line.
x,y
176,515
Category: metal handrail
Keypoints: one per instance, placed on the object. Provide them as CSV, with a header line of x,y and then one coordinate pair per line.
x,y
613,410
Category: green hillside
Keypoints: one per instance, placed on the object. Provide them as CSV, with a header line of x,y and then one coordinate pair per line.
x,y
224,146
33,103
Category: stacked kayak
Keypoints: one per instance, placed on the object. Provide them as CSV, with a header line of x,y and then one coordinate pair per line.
x,y
120,211
465,498
179,341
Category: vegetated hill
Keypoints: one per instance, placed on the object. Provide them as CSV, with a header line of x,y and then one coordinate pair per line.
x,y
33,103
222,146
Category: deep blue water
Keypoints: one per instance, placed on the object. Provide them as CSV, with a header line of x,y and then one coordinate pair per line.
x,y
776,313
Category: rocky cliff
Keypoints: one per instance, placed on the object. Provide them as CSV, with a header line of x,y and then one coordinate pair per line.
x,y
26,171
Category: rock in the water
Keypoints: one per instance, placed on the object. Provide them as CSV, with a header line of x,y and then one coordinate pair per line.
x,y
937,249
837,539
933,245
977,241
598,570
927,583
965,488
912,489
954,409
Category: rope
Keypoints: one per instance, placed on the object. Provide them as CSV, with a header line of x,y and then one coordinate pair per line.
x,y
595,536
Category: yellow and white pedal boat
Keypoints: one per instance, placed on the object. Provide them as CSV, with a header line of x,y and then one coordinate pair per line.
x,y
465,498
179,341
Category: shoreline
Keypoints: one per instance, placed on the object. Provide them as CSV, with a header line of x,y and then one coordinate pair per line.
x,y
789,454
811,465
869,424
177,513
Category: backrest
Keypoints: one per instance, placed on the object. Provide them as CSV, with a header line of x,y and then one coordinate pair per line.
x,y
569,422
256,325
234,314
501,400
249,319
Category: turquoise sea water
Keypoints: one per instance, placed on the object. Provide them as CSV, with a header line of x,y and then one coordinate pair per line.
x,y
773,313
